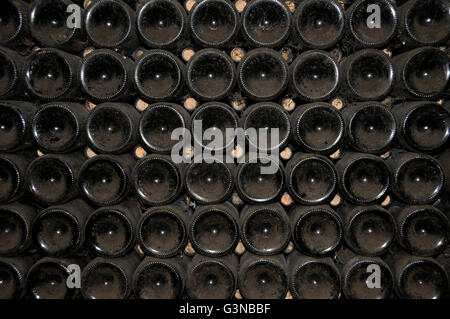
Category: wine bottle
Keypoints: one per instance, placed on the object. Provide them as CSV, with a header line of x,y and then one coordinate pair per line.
x,y
106,75
318,127
265,118
370,126
263,73
11,81
312,277
157,278
162,231
109,278
363,178
316,231
51,74
215,116
14,20
214,23
52,179
424,126
444,161
168,30
367,30
157,124
367,75
157,180
15,228
111,24
105,179
212,278
49,25
210,181
59,127
15,123
159,75
58,230
311,179
13,276
111,231
211,74
12,177
368,230
319,24
423,73
266,23
417,178
263,277
261,180
265,230
314,75
214,230
112,128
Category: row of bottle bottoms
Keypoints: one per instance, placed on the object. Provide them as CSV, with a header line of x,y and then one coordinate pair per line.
x,y
251,277
315,24
262,74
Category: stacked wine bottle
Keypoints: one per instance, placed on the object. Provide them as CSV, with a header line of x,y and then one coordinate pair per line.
x,y
357,206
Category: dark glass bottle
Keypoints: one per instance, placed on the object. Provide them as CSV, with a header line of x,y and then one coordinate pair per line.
x,y
15,123
265,230
260,180
319,23
52,179
106,75
311,179
58,230
316,231
218,117
105,179
367,30
13,273
168,30
111,24
162,231
49,25
211,74
422,230
14,31
266,23
214,23
368,230
210,181
12,177
367,75
109,278
264,117
263,277
214,230
51,74
371,127
212,278
417,178
157,278
312,277
159,75
15,228
318,128
112,128
423,73
444,162
59,127
111,231
157,124
157,180
314,75
263,73
363,178
11,81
